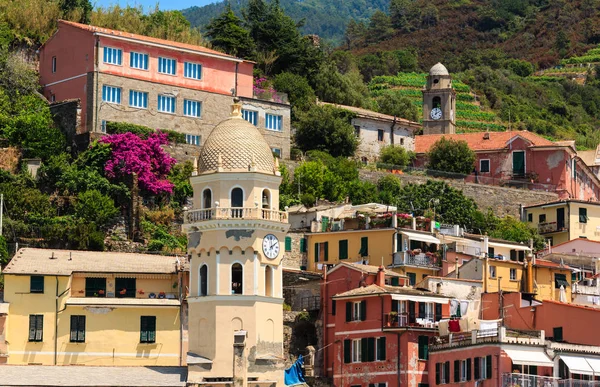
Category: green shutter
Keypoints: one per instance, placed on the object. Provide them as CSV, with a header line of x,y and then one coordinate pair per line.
x,y
347,351
437,373
303,245
476,362
381,348
316,252
371,349
152,329
333,307
143,330
348,311
74,324
32,321
36,284
326,257
147,329
488,367
363,310
343,249
469,369
423,347
288,244
364,246
456,371
395,281
364,349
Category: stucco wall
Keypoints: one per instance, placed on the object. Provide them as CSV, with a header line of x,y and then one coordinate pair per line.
x,y
370,146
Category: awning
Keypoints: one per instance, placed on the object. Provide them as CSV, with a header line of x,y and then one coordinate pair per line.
x,y
577,364
416,236
594,363
529,357
510,246
411,297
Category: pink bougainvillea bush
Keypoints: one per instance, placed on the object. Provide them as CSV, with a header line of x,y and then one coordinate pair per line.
x,y
131,154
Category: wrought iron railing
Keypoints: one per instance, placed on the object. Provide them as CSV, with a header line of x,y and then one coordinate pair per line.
x,y
228,213
526,380
407,258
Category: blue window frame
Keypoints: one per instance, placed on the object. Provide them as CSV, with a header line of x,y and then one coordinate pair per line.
x,y
192,70
192,139
192,108
138,99
273,122
167,66
113,56
166,104
138,60
251,116
111,94
277,152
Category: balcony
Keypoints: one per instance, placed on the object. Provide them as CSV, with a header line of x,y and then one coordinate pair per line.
x,y
494,335
402,320
525,380
271,96
407,258
235,213
550,227
576,383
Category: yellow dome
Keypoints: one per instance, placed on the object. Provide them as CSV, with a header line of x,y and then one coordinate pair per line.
x,y
235,145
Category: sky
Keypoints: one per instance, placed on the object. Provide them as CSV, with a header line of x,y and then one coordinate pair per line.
x,y
164,4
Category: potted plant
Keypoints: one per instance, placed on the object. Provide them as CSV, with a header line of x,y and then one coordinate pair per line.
x,y
141,291
393,318
123,291
161,295
101,292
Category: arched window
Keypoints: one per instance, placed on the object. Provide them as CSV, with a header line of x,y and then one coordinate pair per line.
x,y
237,278
237,197
207,199
266,199
437,102
203,281
269,281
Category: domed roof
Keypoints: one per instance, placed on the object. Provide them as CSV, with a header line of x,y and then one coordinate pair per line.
x,y
439,69
235,145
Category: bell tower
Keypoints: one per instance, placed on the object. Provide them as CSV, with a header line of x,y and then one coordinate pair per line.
x,y
439,102
235,234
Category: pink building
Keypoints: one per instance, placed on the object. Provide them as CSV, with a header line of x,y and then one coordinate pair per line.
x,y
377,331
522,159
124,77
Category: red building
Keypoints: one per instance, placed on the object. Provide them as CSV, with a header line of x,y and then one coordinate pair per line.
x,y
522,159
377,331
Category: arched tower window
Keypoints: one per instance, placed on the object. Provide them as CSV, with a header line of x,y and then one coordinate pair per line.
x,y
237,278
269,281
237,197
436,103
266,199
203,290
207,199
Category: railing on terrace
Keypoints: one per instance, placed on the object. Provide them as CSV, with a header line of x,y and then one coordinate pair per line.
x,y
272,96
525,380
548,227
310,303
469,250
402,258
401,320
492,335
227,213
577,383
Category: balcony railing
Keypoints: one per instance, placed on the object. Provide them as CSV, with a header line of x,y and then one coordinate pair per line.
x,y
403,258
548,227
577,383
401,320
276,96
525,380
228,213
493,335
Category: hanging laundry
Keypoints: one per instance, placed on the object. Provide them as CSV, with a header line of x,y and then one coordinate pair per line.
x,y
454,306
443,327
454,326
464,308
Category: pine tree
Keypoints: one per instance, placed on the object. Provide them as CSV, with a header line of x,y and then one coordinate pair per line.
x,y
226,32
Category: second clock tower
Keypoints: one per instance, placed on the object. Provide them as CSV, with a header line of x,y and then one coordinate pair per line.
x,y
439,102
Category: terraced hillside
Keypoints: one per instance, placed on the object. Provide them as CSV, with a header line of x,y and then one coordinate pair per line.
x,y
470,117
575,68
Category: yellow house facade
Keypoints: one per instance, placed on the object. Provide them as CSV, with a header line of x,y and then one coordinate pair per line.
x,y
94,308
564,220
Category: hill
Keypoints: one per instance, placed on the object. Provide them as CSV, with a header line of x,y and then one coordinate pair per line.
x,y
326,18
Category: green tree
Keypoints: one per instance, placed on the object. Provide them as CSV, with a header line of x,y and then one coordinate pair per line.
x,y
310,177
355,34
326,128
362,192
3,252
395,155
78,10
299,92
345,89
400,107
226,32
390,189
562,43
451,155
180,177
95,207
380,27
512,229
402,14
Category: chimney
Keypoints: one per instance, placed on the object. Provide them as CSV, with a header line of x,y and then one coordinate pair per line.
x,y
380,277
240,367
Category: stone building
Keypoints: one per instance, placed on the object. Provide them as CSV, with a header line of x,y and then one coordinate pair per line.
x,y
124,77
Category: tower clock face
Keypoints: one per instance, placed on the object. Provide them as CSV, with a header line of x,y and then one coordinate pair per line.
x,y
436,113
271,246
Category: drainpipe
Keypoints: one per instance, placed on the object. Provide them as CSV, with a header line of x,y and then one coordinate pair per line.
x,y
569,219
180,280
235,87
56,312
96,54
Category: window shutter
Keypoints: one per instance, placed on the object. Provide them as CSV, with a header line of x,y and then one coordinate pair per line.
x,y
476,362
411,311
81,331
316,252
488,366
326,251
521,256
395,281
333,305
371,349
32,319
381,348
74,328
468,369
152,329
364,349
513,255
348,311
288,244
395,306
364,246
421,310
39,327
437,373
447,372
423,347
438,312
143,329
343,247
456,371
363,310
347,351
303,245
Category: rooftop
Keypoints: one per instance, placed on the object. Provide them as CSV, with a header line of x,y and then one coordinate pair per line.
x,y
367,269
102,301
438,69
67,262
375,289
364,113
562,201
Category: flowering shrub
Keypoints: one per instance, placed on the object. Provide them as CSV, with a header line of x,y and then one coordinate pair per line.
x,y
263,89
131,154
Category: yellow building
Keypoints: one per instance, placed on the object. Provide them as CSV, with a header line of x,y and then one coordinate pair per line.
x,y
235,241
564,220
93,308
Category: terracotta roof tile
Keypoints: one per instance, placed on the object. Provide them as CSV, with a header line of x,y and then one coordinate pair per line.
x,y
374,289
373,115
545,263
477,141
147,39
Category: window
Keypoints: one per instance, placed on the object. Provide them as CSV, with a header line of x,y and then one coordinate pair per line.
x,y
423,347
192,139
482,368
36,284
203,280
343,246
77,329
356,350
111,94
427,311
147,329
288,244
276,152
251,116
333,307
560,280
484,166
52,98
103,126
53,64
125,287
273,122
412,278
379,135
237,197
513,255
583,215
95,287
322,252
192,108
138,99
557,334
381,349
542,218
356,311
303,243
269,281
492,271
138,61
167,66
113,56
530,217
465,370
513,274
521,255
166,104
442,373
491,252
377,384
364,247
192,70
36,327
237,274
